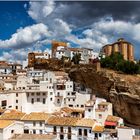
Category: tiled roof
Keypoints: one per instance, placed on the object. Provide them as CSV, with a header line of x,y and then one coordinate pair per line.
x,y
104,103
85,122
32,137
5,123
65,121
98,128
70,110
12,116
70,121
36,116
112,118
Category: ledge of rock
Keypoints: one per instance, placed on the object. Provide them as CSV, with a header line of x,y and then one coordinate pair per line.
x,y
123,91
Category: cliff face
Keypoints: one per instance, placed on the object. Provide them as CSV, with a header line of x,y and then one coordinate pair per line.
x,y
123,91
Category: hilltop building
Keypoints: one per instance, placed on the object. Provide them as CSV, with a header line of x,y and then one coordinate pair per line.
x,y
122,46
37,58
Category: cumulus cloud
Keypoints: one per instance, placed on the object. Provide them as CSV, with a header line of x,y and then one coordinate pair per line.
x,y
24,37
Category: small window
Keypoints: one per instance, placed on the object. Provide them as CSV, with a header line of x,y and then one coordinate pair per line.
x,y
82,105
16,107
38,99
40,131
34,131
32,94
90,131
16,101
89,110
40,123
68,93
79,132
32,101
44,94
44,100
38,93
12,131
85,132
100,135
16,94
50,99
100,116
58,101
73,99
34,123
68,99
51,93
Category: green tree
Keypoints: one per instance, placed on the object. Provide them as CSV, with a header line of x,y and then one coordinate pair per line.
x,y
76,58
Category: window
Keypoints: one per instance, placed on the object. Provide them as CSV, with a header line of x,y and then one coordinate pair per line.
x,y
38,99
69,129
100,135
50,99
79,132
32,100
61,129
100,116
54,130
73,99
37,93
68,93
32,94
16,94
34,123
90,131
58,101
85,132
3,103
16,101
89,110
12,131
40,123
40,131
68,99
44,100
26,131
96,135
77,105
70,105
16,107
49,87
34,131
44,94
70,85
82,105
51,93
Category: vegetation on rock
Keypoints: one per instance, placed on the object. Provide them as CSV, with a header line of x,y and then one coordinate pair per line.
x,y
116,62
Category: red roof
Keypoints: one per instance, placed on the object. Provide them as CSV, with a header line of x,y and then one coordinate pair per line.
x,y
110,123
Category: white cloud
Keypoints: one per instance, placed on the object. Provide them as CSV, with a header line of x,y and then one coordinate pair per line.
x,y
26,36
40,10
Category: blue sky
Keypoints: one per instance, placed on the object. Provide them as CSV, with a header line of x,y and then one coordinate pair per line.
x,y
28,26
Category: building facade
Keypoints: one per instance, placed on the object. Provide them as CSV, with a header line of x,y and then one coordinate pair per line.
x,y
123,47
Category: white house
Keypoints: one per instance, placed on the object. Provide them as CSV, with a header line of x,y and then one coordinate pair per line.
x,y
8,128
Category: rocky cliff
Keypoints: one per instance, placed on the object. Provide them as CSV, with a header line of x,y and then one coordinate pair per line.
x,y
123,91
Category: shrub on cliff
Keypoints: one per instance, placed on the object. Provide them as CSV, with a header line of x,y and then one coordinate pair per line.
x,y
115,61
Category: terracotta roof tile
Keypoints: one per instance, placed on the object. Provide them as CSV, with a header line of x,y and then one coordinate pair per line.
x,y
5,123
36,116
112,118
12,116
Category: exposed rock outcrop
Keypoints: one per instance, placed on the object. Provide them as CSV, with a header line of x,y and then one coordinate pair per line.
x,y
122,90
